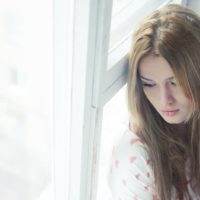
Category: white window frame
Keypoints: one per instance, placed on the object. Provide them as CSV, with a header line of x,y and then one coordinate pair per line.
x,y
82,86
63,45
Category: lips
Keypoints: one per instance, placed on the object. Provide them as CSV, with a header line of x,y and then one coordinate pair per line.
x,y
170,112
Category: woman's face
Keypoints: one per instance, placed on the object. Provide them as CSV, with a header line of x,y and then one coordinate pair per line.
x,y
163,91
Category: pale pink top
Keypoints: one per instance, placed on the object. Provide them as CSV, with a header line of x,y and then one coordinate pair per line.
x,y
131,176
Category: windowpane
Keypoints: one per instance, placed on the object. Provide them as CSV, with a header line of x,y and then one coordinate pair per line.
x,y
125,16
26,99
119,5
115,120
122,13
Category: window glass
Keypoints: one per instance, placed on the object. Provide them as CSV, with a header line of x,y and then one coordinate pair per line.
x,y
122,12
126,14
26,100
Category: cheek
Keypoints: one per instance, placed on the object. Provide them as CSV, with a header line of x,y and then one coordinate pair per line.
x,y
188,108
151,95
188,105
182,99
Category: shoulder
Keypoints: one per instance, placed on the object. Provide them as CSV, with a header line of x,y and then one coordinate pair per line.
x,y
131,172
131,151
130,143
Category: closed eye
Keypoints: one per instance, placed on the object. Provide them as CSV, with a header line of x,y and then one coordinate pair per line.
x,y
148,84
173,83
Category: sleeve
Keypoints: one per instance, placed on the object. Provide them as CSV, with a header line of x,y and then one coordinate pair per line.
x,y
131,175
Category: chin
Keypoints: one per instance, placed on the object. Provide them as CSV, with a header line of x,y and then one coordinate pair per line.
x,y
175,121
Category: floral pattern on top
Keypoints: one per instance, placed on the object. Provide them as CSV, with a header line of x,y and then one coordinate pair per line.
x,y
131,173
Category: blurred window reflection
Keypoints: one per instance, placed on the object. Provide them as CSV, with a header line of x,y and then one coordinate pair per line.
x,y
26,99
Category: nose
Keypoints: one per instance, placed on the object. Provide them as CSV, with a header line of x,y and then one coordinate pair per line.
x,y
166,96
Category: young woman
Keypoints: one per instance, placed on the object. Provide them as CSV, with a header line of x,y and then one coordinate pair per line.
x,y
158,157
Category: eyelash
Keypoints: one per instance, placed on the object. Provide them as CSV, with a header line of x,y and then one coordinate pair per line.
x,y
173,83
148,85
152,85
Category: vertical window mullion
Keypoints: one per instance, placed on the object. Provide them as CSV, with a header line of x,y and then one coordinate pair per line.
x,y
91,40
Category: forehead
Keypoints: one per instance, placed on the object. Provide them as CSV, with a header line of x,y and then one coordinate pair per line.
x,y
155,68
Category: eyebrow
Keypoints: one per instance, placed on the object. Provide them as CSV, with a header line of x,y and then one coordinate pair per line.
x,y
147,79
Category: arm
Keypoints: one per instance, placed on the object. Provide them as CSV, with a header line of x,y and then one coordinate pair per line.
x,y
131,175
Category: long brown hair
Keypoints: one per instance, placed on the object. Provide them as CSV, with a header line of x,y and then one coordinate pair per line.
x,y
172,32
